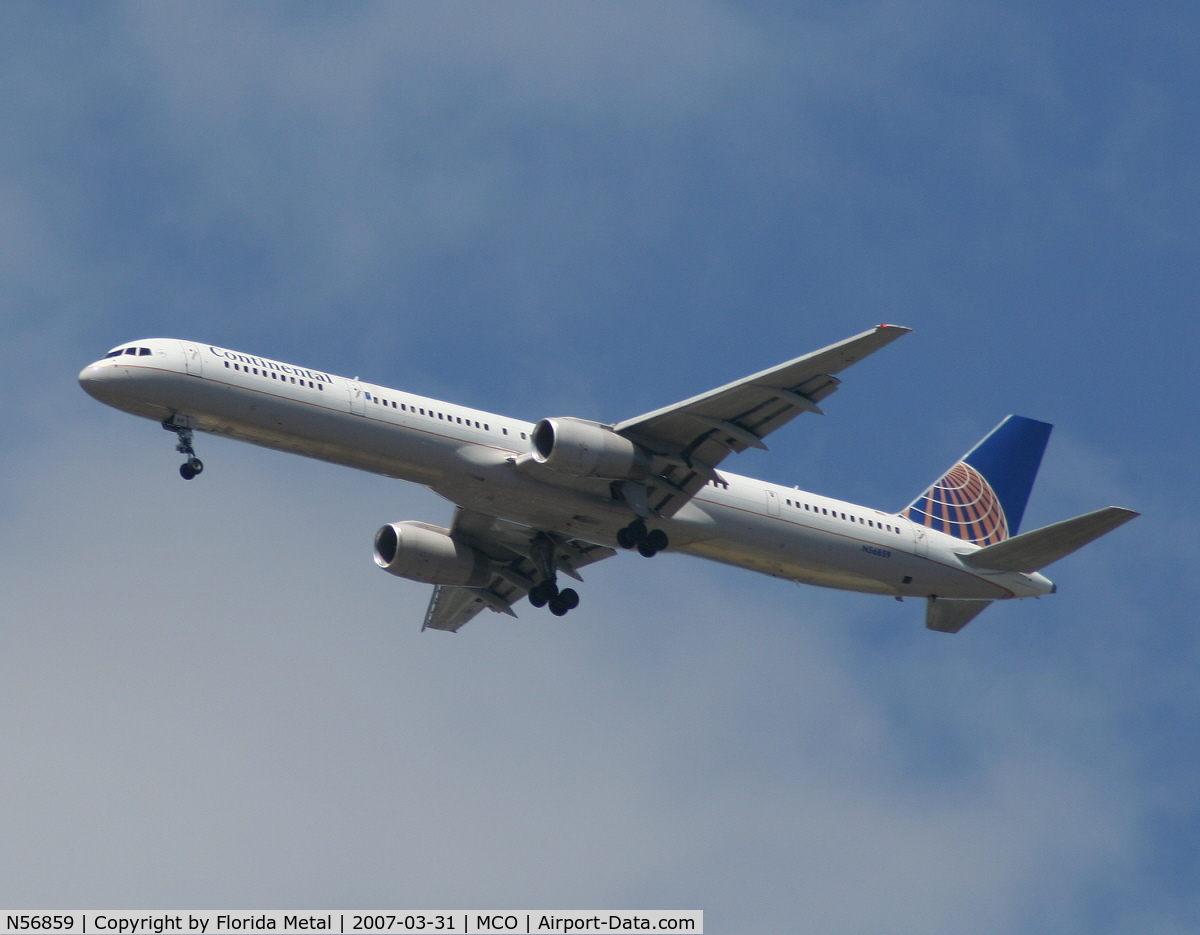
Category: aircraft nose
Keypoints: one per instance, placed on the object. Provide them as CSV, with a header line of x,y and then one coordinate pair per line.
x,y
94,377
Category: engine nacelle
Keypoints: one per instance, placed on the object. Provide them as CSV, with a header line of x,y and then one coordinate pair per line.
x,y
587,449
421,552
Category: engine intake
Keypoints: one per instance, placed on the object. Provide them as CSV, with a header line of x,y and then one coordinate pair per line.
x,y
587,449
425,553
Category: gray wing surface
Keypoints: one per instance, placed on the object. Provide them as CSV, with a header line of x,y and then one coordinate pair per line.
x,y
517,553
694,436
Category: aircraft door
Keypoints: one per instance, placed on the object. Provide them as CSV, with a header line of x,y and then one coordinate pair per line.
x,y
772,503
192,359
358,401
920,541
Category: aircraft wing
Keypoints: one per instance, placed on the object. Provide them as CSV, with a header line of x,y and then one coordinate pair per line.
x,y
695,435
519,554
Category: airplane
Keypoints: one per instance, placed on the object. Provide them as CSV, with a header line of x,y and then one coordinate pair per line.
x,y
534,500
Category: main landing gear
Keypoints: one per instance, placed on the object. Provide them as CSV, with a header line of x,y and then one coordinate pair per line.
x,y
648,542
547,592
193,465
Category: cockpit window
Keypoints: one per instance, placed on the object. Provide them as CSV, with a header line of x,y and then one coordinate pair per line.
x,y
143,352
117,353
131,350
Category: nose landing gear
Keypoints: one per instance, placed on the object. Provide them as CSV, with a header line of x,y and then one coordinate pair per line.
x,y
193,465
648,542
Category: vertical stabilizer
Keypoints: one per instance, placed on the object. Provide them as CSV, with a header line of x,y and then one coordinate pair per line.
x,y
982,498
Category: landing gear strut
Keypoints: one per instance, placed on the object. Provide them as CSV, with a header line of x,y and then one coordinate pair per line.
x,y
648,542
193,465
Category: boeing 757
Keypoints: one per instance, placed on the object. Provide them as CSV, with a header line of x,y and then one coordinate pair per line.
x,y
534,501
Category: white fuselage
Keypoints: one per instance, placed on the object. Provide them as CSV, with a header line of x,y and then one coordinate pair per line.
x,y
480,461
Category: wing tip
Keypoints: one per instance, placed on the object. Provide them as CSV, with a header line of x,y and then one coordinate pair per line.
x,y
899,329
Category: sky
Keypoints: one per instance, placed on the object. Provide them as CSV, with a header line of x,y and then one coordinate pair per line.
x,y
210,697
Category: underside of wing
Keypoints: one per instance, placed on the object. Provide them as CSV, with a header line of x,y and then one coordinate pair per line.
x,y
692,437
452,607
520,557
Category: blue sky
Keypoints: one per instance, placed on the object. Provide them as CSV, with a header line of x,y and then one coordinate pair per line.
x,y
210,697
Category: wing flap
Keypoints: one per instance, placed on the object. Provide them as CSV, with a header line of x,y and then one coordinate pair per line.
x,y
451,607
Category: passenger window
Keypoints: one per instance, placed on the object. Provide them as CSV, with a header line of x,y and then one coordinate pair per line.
x,y
505,431
485,427
321,387
825,511
226,365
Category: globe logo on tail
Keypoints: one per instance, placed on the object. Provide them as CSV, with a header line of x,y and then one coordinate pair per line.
x,y
963,505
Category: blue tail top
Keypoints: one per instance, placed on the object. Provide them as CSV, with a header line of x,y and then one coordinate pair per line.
x,y
982,498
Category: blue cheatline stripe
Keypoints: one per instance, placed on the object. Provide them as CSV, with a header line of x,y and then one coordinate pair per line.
x,y
1009,458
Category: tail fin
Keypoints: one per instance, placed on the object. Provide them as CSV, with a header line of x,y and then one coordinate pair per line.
x,y
982,498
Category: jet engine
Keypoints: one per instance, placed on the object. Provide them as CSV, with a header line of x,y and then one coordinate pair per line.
x,y
421,552
587,449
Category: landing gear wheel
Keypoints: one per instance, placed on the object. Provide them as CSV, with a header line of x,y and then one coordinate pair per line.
x,y
655,541
564,600
633,535
193,465
543,592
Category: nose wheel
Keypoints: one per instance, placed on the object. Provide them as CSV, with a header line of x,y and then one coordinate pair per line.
x,y
648,542
193,465
190,468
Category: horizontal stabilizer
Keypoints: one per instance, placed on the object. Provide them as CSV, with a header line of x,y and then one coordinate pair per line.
x,y
950,616
1032,551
